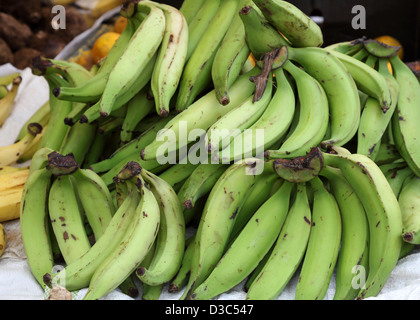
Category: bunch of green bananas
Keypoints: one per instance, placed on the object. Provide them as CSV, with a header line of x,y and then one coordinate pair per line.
x,y
330,187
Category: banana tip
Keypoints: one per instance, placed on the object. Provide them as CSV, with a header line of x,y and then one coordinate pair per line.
x,y
188,204
140,271
224,101
83,119
173,288
164,113
408,236
56,92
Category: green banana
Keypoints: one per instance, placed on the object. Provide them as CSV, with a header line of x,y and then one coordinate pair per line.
x,y
260,192
404,126
217,220
196,75
224,131
229,59
367,79
138,108
78,274
56,131
260,35
288,251
380,49
199,183
78,140
132,248
74,73
396,176
251,278
138,54
323,245
34,221
373,122
66,219
275,121
198,24
96,150
92,90
181,278
408,199
190,8
129,287
313,117
292,22
95,198
250,246
200,115
387,153
177,174
170,240
93,112
171,58
354,252
383,213
131,148
340,88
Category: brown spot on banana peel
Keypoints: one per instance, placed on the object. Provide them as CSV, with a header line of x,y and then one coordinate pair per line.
x,y
408,236
234,214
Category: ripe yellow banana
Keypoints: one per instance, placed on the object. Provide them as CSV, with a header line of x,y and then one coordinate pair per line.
x,y
10,203
10,154
15,178
8,101
3,241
